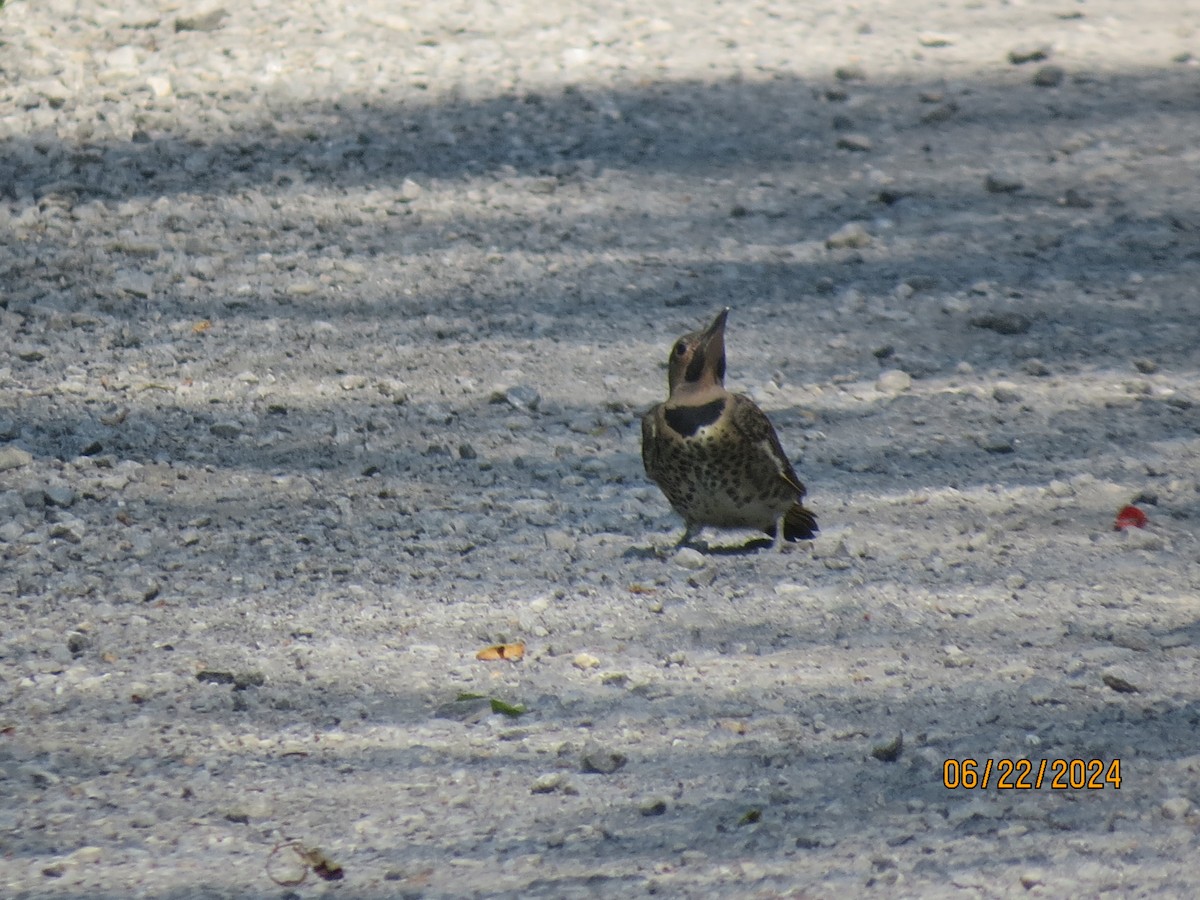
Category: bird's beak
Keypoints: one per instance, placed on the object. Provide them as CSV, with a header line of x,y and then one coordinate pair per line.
x,y
716,330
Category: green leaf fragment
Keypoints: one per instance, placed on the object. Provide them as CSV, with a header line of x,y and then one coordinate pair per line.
x,y
508,709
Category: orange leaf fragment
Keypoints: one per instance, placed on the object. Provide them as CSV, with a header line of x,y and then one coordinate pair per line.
x,y
510,652
202,326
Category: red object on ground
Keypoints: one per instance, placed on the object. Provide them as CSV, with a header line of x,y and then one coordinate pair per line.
x,y
1130,517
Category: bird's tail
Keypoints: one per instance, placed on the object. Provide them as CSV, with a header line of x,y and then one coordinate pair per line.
x,y
799,524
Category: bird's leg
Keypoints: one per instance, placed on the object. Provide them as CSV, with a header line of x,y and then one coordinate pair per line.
x,y
689,535
778,540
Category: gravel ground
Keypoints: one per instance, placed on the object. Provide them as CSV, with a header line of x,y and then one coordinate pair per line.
x,y
324,333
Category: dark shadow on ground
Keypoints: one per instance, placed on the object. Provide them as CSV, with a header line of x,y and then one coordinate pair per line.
x,y
685,128
765,152
772,141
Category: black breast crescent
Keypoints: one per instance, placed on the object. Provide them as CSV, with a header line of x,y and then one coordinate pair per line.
x,y
687,420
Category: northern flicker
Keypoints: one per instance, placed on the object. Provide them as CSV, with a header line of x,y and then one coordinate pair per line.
x,y
715,454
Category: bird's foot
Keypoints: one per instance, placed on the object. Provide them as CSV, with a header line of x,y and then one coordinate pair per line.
x,y
691,540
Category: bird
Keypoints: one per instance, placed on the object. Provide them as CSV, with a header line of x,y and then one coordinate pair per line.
x,y
715,454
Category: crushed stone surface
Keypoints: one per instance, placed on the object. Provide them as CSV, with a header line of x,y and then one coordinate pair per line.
x,y
325,331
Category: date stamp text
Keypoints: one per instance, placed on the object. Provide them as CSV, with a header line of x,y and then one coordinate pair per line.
x,y
1005,774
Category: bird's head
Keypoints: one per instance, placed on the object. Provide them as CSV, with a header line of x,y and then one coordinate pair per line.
x,y
697,360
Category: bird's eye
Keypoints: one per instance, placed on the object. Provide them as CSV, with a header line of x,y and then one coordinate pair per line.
x,y
680,349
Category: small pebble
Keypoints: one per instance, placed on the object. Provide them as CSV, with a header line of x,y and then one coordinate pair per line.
x,y
922,282
654,806
996,443
244,680
597,760
689,558
1015,582
60,495
523,397
1041,691
77,642
858,143
1049,76
1024,53
226,429
409,191
1006,392
955,658
890,749
1176,807
72,532
1003,323
13,457
302,289
935,39
1000,183
468,709
1142,539
206,21
160,86
136,284
893,381
1120,680
557,539
1073,198
943,112
85,856
394,390
852,235
547,783
850,72
1031,878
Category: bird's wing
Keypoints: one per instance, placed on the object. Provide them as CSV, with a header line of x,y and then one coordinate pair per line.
x,y
649,442
752,423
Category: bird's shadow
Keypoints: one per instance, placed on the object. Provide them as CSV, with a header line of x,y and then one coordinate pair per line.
x,y
664,552
755,545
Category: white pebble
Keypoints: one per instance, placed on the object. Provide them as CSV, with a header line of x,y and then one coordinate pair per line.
x,y
893,381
